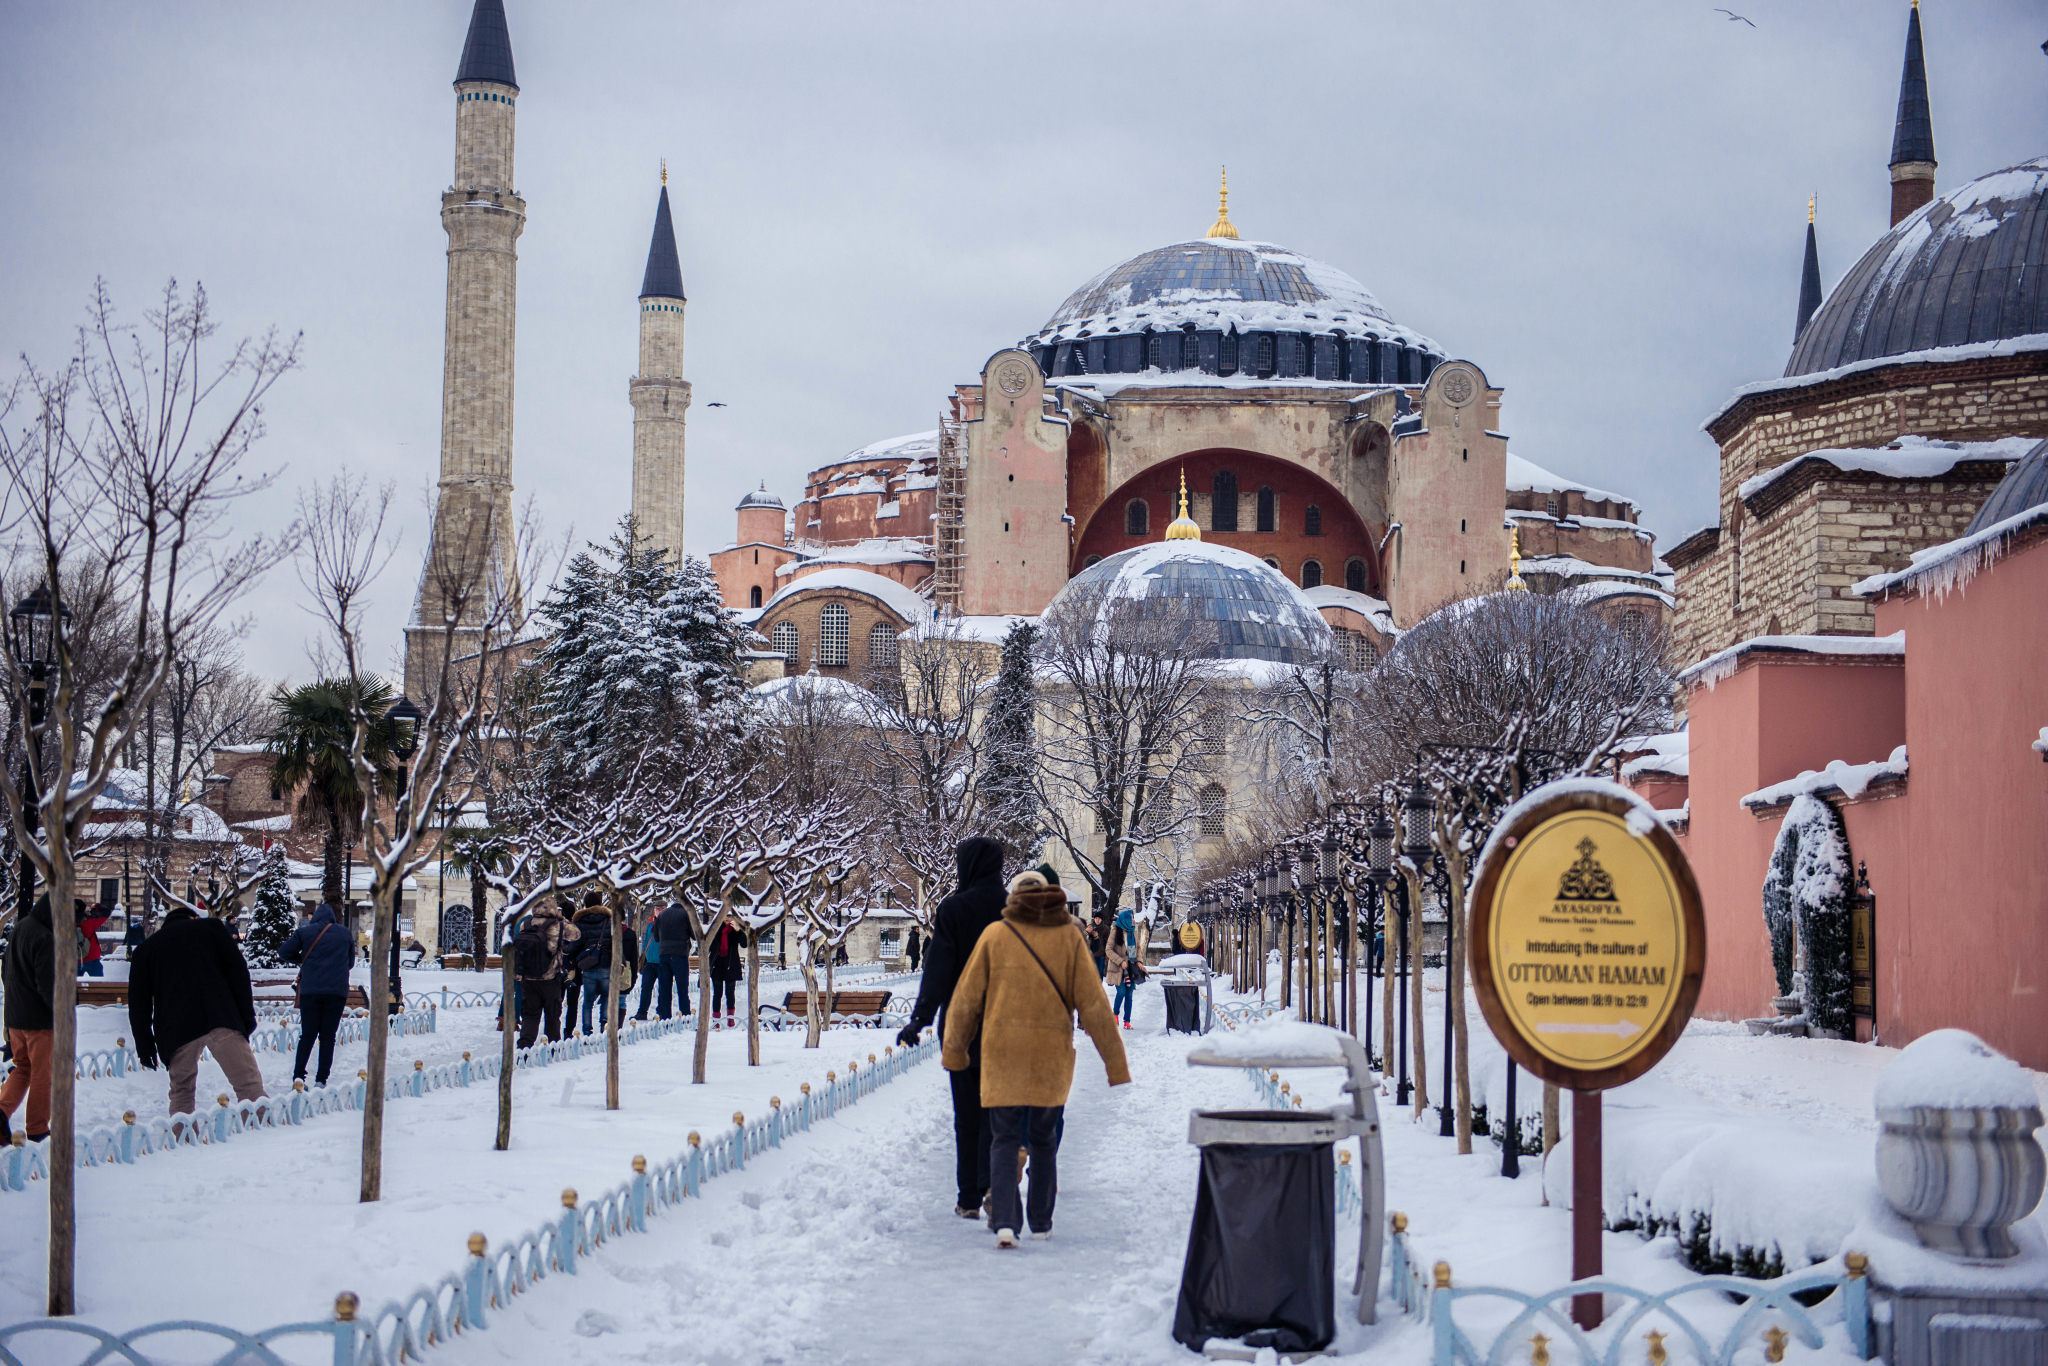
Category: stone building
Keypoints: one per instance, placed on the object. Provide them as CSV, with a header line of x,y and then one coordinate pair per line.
x,y
1908,395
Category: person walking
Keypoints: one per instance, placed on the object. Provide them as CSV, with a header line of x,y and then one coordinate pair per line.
x,y
1025,982
538,963
1121,972
320,948
1098,943
650,971
957,924
675,930
914,949
594,958
723,963
89,964
189,993
29,978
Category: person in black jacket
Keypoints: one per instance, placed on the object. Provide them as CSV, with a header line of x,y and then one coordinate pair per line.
x,y
674,932
30,980
188,993
726,966
321,948
956,926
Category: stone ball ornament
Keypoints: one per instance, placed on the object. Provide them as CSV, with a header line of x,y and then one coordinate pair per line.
x,y
1957,1157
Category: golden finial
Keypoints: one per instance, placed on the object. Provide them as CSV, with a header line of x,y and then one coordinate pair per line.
x,y
1809,206
1222,226
1183,528
1539,1350
664,170
1775,1339
1658,1356
1515,583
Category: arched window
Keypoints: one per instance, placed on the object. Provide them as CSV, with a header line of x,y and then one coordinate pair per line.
x,y
1311,574
1354,575
1632,625
1211,807
1137,517
1312,521
1091,562
1265,353
1155,351
785,641
754,596
882,645
1265,509
1272,563
1223,502
832,633
1190,351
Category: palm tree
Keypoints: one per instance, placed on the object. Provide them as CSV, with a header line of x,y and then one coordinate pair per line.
x,y
309,750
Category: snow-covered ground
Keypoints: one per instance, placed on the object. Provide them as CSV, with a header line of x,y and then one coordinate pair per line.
x,y
842,1247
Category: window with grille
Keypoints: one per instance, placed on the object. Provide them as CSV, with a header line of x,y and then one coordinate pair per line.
x,y
1211,800
882,645
1311,574
784,641
1633,625
1209,733
1550,506
1265,509
1354,575
1190,351
1155,350
1312,521
1137,517
1265,354
832,633
1223,502
1226,354
754,596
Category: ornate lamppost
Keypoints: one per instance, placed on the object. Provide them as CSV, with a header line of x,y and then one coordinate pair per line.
x,y
1415,813
32,640
402,728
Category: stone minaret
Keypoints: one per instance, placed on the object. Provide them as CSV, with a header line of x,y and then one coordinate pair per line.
x,y
483,218
659,393
1809,277
1913,134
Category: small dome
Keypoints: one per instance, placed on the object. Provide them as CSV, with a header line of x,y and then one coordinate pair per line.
x,y
761,498
1256,612
1964,268
2025,486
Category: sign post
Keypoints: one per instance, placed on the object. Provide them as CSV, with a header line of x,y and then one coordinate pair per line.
x,y
1587,946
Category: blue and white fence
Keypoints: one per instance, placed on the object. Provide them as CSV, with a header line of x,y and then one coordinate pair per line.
x,y
121,1060
1771,1316
466,1300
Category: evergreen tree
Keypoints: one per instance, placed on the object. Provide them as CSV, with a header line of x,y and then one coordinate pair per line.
x,y
642,652
1009,754
276,916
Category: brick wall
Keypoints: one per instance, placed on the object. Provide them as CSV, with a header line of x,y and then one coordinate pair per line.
x,y
804,610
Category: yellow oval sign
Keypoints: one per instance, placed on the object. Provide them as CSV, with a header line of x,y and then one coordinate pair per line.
x,y
1191,936
1587,942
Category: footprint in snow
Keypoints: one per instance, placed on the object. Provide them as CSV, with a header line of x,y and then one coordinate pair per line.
x,y
592,1324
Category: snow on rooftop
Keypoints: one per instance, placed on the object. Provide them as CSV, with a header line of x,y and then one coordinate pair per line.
x,y
1949,567
985,630
2009,346
902,601
1371,608
879,550
1909,457
1716,667
1104,386
1850,780
1569,519
1528,476
1599,590
911,447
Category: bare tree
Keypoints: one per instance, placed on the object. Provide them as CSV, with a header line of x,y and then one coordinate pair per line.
x,y
120,485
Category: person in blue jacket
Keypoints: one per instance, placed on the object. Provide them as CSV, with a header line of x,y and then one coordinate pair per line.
x,y
324,954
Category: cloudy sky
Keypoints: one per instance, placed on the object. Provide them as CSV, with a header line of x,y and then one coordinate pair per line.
x,y
1601,204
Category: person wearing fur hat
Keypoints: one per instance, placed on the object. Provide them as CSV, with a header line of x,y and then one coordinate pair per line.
x,y
1028,976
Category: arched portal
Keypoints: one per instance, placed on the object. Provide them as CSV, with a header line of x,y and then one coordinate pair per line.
x,y
1270,492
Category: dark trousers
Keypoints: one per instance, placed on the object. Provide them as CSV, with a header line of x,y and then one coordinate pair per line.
x,y
729,987
971,1137
319,1017
571,988
1024,1126
538,1001
664,972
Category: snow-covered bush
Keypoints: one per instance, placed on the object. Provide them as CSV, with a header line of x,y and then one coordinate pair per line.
x,y
1806,893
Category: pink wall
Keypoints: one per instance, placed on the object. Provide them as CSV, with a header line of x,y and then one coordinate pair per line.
x,y
1964,929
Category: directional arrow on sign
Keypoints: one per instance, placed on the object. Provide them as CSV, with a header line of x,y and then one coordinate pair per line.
x,y
1620,1028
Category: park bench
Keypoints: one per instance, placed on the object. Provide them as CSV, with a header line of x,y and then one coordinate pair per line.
x,y
268,995
867,1007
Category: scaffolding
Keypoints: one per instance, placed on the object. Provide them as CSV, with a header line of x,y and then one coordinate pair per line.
x,y
949,520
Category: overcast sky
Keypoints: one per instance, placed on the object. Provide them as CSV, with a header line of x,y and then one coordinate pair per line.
x,y
1600,204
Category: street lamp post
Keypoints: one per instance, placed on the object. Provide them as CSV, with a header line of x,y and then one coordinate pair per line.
x,y
1415,812
402,729
1379,843
1336,943
32,639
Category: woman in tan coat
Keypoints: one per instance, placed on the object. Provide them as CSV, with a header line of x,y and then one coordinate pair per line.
x,y
1028,975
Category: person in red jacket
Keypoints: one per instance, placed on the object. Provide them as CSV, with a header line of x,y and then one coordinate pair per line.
x,y
89,957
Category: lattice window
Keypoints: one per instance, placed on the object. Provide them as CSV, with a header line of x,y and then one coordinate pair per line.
x,y
1223,502
1265,511
1211,807
1265,353
882,645
832,634
1635,626
1137,517
1190,351
1311,574
1312,521
783,639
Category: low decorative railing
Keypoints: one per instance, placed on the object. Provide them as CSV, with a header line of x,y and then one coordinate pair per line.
x,y
465,1300
1772,1315
117,1061
280,1037
1236,1013
447,998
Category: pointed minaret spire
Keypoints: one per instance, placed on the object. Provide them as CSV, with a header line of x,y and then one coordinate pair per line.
x,y
1913,136
1222,227
659,393
1809,277
664,276
487,54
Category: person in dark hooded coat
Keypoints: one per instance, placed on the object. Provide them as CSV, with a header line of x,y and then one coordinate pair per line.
x,y
956,927
321,949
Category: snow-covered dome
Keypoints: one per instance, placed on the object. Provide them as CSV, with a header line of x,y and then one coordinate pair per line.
x,y
1217,291
1256,612
1965,268
760,498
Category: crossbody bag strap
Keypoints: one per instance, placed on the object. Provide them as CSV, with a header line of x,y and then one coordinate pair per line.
x,y
1041,965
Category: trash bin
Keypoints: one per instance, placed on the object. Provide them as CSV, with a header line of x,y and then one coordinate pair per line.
x,y
1261,1250
1261,1260
1183,1007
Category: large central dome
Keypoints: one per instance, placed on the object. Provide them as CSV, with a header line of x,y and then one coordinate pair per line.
x,y
1191,306
1244,607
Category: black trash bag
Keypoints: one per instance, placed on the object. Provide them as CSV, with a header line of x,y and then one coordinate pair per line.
x,y
1262,1248
1183,1008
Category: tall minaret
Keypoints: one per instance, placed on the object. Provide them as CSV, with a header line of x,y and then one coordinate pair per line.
x,y
483,218
1913,133
1809,277
659,393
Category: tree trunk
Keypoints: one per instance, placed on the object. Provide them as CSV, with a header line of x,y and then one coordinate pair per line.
x,y
330,866
1454,987
1551,1125
754,999
381,920
814,1022
705,946
63,1083
507,1057
611,1005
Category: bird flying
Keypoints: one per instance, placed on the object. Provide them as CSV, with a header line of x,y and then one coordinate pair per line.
x,y
1733,16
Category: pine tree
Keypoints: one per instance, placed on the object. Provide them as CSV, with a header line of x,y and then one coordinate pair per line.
x,y
642,652
1009,754
275,915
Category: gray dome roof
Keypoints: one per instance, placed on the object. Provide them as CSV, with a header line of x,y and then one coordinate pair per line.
x,y
760,498
1965,268
1218,283
1255,611
2025,486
